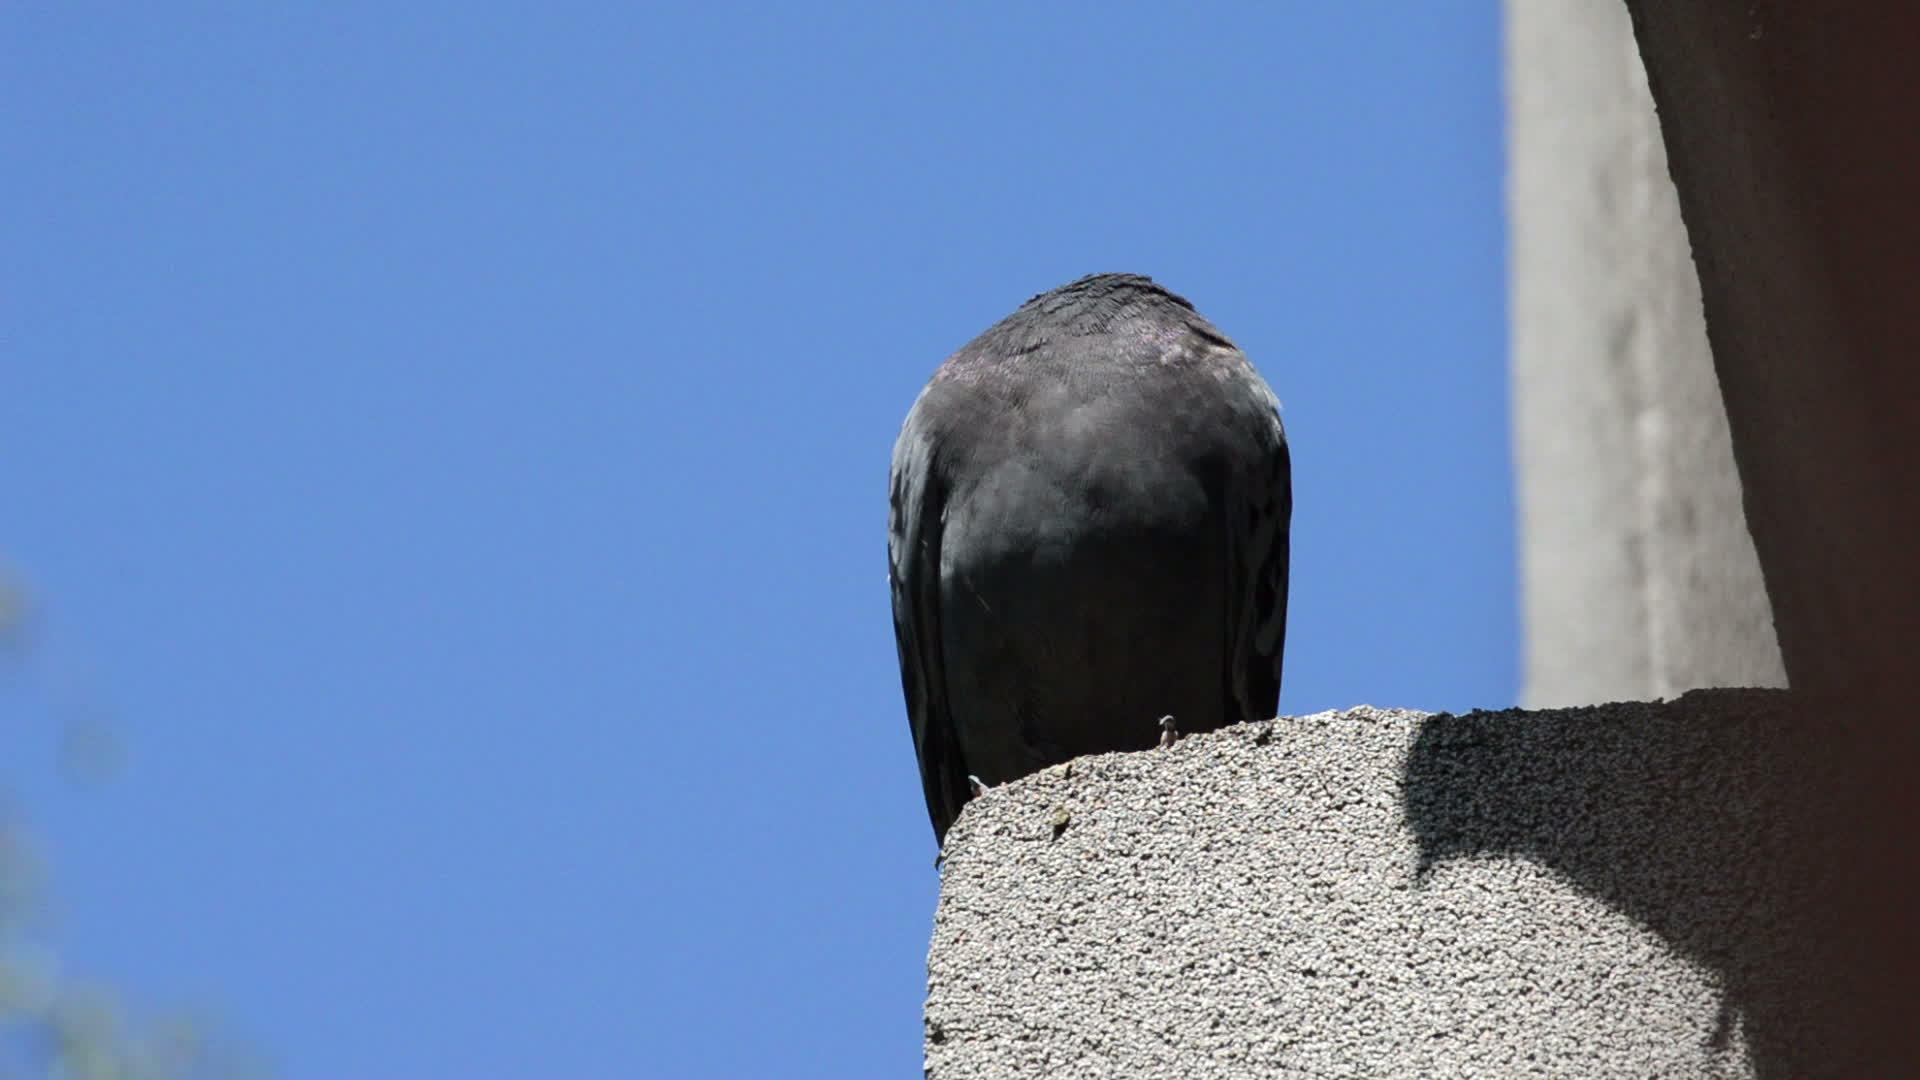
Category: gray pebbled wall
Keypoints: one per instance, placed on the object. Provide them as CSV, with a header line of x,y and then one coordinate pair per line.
x,y
1623,890
1638,575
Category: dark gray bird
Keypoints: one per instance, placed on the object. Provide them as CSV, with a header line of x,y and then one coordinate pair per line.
x,y
1088,533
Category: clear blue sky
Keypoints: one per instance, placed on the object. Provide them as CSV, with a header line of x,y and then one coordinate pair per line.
x,y
449,441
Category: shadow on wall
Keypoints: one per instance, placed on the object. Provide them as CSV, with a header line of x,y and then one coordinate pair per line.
x,y
1726,822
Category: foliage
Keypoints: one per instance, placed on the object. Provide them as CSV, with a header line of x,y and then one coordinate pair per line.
x,y
52,1024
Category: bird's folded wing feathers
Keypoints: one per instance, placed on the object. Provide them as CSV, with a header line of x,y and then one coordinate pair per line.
x,y
917,504
1261,505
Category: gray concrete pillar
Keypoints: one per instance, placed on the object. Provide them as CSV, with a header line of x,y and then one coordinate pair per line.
x,y
1638,575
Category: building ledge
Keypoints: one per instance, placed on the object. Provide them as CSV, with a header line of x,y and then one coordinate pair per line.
x,y
1629,889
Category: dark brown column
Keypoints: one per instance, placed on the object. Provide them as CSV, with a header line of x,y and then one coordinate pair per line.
x,y
1793,135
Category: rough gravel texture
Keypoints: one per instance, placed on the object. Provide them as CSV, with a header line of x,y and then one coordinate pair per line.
x,y
1608,891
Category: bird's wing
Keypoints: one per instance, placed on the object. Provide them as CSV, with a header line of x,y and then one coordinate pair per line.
x,y
917,506
1261,507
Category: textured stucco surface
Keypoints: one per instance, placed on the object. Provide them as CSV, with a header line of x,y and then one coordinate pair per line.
x,y
1612,891
1638,575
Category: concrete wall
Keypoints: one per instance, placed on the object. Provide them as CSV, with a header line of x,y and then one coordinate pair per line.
x,y
1630,890
1638,575
1790,131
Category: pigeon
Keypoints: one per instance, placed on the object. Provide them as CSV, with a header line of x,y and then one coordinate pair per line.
x,y
1089,509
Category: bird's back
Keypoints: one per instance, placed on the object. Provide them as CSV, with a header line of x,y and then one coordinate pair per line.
x,y
1098,461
